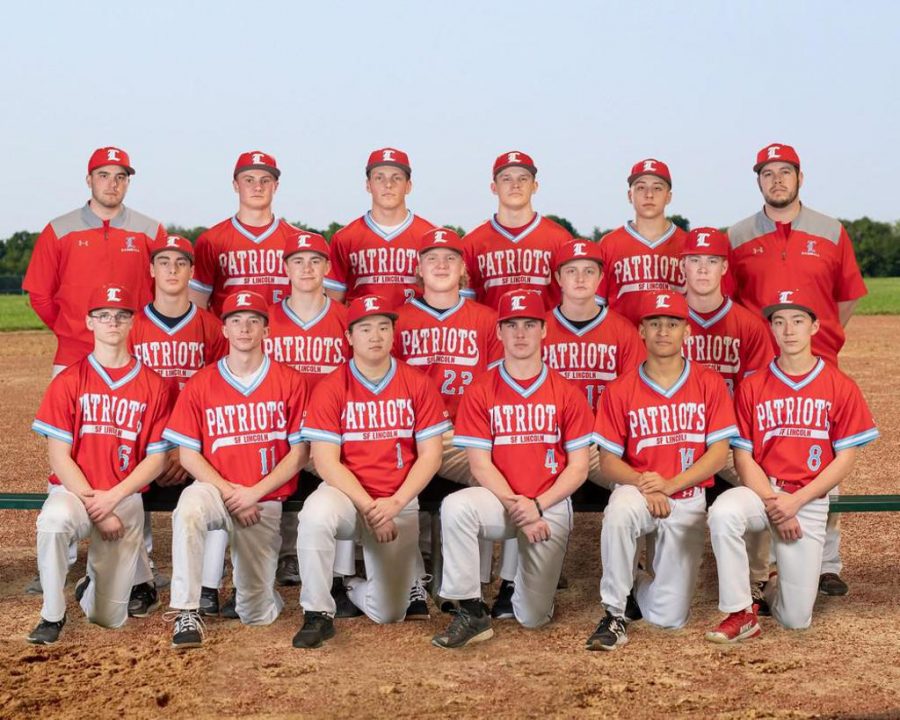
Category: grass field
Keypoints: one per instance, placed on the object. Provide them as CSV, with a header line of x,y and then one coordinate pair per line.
x,y
883,299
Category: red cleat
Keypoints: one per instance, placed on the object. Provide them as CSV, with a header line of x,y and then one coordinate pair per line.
x,y
738,626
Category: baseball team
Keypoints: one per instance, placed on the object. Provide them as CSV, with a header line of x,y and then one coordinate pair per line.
x,y
516,363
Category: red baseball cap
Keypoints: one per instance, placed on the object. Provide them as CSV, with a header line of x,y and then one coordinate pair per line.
x,y
110,156
441,238
776,152
514,158
521,304
305,241
664,303
111,296
706,241
173,242
794,299
245,301
577,249
256,160
389,156
366,306
650,166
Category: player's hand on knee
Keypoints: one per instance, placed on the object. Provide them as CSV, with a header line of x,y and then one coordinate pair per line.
x,y
523,511
790,530
110,528
100,504
386,532
658,504
652,482
782,507
382,510
247,517
241,499
538,531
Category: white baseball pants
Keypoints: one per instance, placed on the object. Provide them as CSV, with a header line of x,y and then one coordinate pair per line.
x,y
739,511
759,548
665,598
110,565
474,514
254,552
329,517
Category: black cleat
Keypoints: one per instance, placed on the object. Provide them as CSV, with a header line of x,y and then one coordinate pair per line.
x,y
81,586
465,628
632,609
189,629
46,632
832,584
758,594
344,607
418,601
288,572
610,633
229,609
143,601
209,602
317,628
502,608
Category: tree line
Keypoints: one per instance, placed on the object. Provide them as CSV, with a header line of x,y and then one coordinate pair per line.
x,y
877,245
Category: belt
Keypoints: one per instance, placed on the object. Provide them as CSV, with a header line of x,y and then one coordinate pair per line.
x,y
789,486
688,493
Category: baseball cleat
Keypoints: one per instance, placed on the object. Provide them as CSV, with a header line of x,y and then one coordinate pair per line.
x,y
288,572
189,629
832,584
418,600
209,602
610,633
466,627
81,586
758,595
344,607
632,609
317,628
229,609
737,626
34,587
502,608
46,632
143,601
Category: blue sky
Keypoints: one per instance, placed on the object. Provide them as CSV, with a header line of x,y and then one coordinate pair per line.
x,y
587,88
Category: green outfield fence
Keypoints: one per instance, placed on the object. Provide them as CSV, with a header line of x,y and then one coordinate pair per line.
x,y
11,284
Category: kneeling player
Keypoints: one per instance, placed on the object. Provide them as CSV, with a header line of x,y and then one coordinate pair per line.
x,y
800,421
238,427
103,419
663,433
375,425
526,431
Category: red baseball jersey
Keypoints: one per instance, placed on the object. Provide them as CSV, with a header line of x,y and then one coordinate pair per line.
x,y
731,340
529,431
314,348
228,257
377,425
634,265
793,426
594,355
366,261
498,261
112,418
665,431
242,431
177,352
452,348
77,253
815,255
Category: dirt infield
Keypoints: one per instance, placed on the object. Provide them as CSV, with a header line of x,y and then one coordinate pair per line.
x,y
846,665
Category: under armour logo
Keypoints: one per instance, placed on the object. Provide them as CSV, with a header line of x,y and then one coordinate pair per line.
x,y
112,294
82,243
512,157
810,246
518,302
579,249
649,165
112,154
701,240
785,296
258,159
439,236
387,155
370,304
303,241
171,241
662,301
773,151
243,300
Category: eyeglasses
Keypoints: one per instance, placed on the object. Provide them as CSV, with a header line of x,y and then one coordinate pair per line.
x,y
107,318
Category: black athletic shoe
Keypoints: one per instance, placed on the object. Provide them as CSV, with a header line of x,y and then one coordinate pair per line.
x,y
229,609
46,632
832,584
632,610
758,594
209,602
344,607
418,601
317,628
465,628
288,572
610,633
81,586
502,608
189,629
144,600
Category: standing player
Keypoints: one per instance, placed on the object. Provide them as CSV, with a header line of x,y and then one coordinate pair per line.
x,y
729,339
663,433
643,256
103,419
801,421
102,242
453,340
244,251
785,244
378,252
375,426
237,424
307,331
514,249
520,415
175,338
